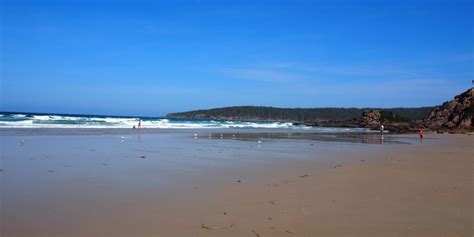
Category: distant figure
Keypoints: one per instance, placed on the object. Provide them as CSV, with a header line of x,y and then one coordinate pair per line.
x,y
421,133
381,128
139,123
133,127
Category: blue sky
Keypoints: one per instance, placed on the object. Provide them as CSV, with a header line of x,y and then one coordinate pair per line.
x,y
154,57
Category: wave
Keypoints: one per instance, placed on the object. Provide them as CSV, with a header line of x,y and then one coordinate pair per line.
x,y
65,121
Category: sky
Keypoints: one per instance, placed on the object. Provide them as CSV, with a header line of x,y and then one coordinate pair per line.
x,y
150,58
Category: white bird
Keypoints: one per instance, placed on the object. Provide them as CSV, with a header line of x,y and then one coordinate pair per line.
x,y
195,134
259,142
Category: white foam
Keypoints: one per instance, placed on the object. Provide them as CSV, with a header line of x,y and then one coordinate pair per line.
x,y
57,121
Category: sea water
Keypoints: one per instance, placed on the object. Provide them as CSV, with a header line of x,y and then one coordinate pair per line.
x,y
31,120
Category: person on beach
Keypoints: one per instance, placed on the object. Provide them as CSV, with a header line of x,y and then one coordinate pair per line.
x,y
139,123
381,129
421,133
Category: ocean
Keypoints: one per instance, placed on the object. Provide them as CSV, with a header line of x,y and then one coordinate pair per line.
x,y
31,120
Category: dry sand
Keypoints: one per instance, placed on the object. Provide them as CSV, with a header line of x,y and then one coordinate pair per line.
x,y
170,184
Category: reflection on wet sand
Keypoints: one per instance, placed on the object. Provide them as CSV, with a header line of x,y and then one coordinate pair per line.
x,y
369,138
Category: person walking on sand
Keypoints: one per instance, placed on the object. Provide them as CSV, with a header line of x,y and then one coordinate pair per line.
x,y
139,123
381,129
421,133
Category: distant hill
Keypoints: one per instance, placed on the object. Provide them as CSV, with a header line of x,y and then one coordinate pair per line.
x,y
295,114
456,115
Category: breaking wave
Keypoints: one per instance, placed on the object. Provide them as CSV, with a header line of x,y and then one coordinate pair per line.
x,y
11,120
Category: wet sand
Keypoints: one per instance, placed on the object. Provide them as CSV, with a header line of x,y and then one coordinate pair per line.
x,y
168,183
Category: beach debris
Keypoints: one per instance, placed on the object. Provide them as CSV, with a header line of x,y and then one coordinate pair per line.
x,y
312,144
362,160
272,202
195,187
337,166
269,218
91,149
256,234
104,164
304,176
289,232
225,213
1,170
143,157
259,142
50,171
122,138
195,135
239,181
208,227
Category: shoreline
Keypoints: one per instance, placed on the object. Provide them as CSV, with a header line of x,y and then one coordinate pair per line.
x,y
254,135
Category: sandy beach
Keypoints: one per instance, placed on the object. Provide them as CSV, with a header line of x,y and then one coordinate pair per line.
x,y
170,183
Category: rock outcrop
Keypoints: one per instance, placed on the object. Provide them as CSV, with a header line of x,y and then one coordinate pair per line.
x,y
456,115
392,122
371,118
